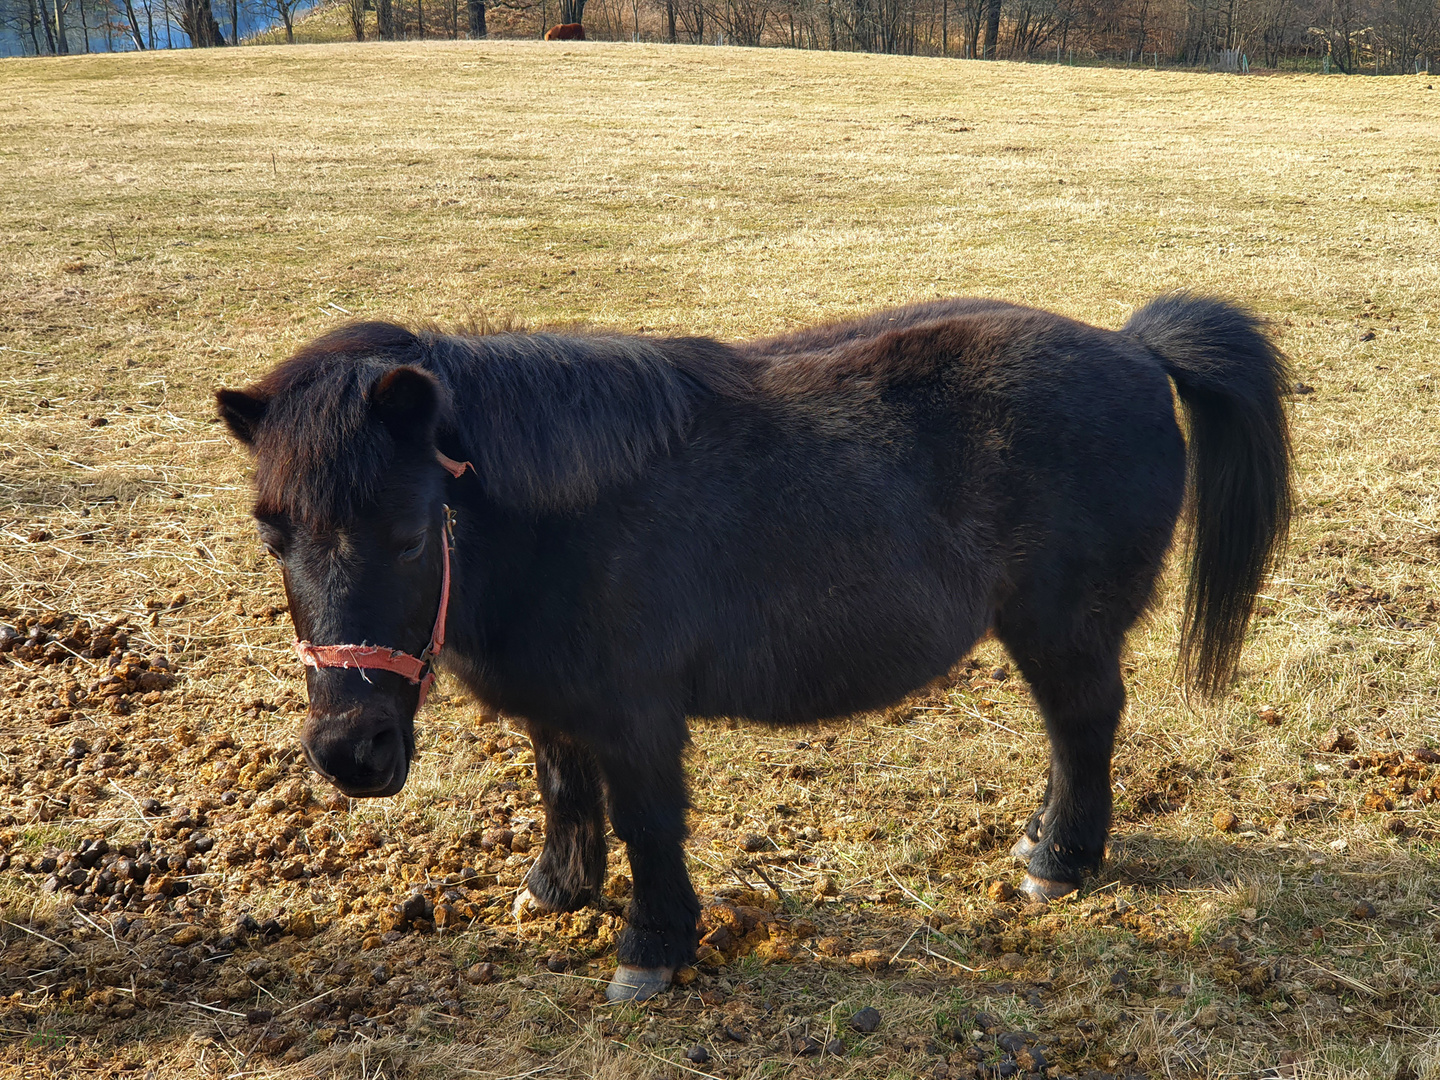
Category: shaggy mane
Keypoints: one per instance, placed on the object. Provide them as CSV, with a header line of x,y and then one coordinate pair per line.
x,y
549,421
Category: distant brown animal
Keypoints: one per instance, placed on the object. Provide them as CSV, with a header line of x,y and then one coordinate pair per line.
x,y
570,31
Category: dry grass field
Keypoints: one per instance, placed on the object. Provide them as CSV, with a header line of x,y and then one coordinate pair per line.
x,y
176,221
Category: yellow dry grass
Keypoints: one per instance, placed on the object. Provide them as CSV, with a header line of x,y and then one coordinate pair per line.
x,y
176,221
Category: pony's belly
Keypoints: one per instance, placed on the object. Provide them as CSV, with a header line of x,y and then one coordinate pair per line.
x,y
797,681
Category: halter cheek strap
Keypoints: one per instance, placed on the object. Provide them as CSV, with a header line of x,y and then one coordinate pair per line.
x,y
416,669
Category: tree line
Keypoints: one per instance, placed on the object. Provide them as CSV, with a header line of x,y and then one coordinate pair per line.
x,y
1348,36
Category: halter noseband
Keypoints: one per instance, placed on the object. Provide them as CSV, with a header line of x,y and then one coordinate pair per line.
x,y
417,669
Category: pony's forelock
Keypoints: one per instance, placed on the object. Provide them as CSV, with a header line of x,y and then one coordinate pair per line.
x,y
320,456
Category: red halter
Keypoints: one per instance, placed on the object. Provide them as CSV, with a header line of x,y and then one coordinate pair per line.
x,y
417,669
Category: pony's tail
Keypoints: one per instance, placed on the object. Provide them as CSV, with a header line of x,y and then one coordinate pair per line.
x,y
1231,380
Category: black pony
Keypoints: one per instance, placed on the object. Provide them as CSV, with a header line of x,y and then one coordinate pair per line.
x,y
805,526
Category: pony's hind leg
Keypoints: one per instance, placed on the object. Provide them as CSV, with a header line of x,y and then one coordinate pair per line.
x,y
645,783
571,869
1081,696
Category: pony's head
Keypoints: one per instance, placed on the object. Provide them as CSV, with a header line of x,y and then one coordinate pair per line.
x,y
350,503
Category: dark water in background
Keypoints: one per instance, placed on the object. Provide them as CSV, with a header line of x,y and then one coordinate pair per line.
x,y
15,39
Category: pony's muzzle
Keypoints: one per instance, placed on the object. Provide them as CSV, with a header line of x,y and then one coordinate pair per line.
x,y
365,757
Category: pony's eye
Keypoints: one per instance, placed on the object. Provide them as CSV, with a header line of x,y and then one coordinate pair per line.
x,y
412,552
273,552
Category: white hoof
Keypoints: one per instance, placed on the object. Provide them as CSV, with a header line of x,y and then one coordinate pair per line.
x,y
1024,848
526,907
638,984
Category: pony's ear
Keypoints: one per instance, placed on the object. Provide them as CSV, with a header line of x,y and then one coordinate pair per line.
x,y
242,412
407,401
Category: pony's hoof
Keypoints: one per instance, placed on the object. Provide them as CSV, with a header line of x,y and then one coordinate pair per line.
x,y
637,984
1024,848
526,906
1044,890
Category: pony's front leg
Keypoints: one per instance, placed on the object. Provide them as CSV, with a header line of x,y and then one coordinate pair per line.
x,y
1029,840
571,869
645,782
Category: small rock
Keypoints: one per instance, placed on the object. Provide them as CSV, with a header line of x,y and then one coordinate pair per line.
x,y
1209,1017
1001,891
835,1048
1012,1042
775,952
1225,821
274,1039
866,1021
697,1055
187,935
303,925
1337,741
825,886
498,838
721,939
480,974
805,1046
1269,714
371,941
413,907
1031,1059
869,959
557,962
754,842
1363,909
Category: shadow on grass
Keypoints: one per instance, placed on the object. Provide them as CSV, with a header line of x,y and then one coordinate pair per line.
x,y
1191,958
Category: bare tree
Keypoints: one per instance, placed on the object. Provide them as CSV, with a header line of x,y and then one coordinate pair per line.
x,y
198,21
286,10
992,29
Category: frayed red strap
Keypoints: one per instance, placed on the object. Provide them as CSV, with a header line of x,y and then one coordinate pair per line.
x,y
453,467
369,657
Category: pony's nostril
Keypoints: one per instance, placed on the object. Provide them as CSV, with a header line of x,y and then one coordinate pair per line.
x,y
383,745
